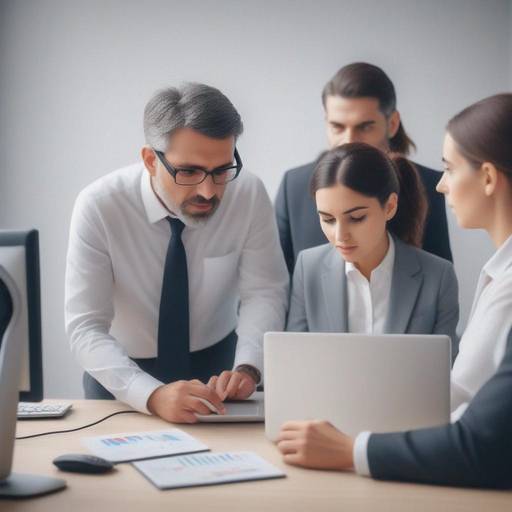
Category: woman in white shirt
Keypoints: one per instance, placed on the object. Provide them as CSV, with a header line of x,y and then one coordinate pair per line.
x,y
477,183
371,277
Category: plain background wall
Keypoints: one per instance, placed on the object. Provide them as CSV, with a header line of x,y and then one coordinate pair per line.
x,y
75,76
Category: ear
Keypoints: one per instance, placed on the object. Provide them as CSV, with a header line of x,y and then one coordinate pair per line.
x,y
391,206
393,124
149,159
490,177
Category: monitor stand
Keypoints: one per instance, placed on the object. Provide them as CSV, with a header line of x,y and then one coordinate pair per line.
x,y
19,485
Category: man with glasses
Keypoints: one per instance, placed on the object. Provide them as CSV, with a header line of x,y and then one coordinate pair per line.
x,y
174,269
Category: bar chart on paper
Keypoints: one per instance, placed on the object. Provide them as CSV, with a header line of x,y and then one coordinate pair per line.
x,y
206,469
127,447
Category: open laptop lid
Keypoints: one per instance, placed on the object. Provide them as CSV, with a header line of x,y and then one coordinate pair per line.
x,y
357,382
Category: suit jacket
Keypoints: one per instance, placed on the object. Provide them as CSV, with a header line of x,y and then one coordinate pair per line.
x,y
424,293
476,451
299,226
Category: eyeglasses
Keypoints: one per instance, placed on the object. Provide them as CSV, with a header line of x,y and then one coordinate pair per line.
x,y
191,176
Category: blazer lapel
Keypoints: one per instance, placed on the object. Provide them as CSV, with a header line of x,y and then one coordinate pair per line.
x,y
405,286
334,287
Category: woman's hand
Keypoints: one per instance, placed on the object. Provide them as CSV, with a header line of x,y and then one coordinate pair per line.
x,y
315,444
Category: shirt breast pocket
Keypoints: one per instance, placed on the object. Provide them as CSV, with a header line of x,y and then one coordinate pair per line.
x,y
220,280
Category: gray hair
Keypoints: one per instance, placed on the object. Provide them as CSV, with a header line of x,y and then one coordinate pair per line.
x,y
197,106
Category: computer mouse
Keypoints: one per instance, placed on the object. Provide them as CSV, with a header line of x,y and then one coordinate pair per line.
x,y
82,463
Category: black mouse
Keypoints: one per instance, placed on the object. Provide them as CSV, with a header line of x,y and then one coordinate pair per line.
x,y
82,463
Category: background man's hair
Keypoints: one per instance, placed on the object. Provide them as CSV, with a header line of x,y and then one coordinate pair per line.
x,y
362,80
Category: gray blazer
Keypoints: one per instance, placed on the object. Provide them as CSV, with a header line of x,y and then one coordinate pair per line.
x,y
424,293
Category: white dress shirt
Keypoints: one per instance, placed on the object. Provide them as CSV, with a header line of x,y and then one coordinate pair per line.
x,y
482,345
368,301
117,247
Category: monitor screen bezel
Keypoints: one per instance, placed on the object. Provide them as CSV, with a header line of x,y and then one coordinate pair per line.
x,y
30,240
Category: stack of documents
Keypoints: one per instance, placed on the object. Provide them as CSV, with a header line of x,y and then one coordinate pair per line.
x,y
170,459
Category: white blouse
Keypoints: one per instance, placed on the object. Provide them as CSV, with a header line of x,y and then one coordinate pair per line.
x,y
482,346
368,301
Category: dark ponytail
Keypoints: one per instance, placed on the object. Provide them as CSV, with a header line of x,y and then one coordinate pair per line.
x,y
401,142
409,221
369,171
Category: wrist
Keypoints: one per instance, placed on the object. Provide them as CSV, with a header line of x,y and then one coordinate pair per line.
x,y
350,454
153,398
250,370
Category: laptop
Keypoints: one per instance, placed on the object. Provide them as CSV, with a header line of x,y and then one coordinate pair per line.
x,y
239,411
358,382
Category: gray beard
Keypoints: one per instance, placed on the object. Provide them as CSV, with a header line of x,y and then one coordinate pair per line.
x,y
177,210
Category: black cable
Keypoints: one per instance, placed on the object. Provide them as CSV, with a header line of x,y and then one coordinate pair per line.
x,y
77,428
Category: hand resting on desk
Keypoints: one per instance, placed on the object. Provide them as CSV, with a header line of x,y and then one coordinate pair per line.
x,y
315,444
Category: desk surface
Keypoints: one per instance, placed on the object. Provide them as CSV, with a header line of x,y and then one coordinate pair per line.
x,y
302,490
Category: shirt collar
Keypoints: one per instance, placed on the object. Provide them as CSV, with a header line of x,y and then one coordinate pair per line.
x,y
384,267
500,261
155,210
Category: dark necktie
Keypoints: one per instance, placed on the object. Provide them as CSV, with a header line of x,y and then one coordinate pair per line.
x,y
173,323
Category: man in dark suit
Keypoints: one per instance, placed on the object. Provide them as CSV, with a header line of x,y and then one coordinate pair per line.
x,y
476,451
360,106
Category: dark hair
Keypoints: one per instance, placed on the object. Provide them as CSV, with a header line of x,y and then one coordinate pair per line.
x,y
369,171
362,80
193,105
483,132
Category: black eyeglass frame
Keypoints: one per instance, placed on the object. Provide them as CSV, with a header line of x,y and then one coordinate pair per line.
x,y
173,171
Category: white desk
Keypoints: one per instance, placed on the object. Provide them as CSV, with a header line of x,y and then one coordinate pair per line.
x,y
303,490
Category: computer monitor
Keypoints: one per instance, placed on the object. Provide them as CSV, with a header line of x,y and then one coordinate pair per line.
x,y
19,255
19,271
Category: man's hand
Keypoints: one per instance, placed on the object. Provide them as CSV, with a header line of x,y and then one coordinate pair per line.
x,y
237,385
315,444
178,402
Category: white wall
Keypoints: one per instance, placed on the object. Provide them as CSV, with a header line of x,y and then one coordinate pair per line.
x,y
75,75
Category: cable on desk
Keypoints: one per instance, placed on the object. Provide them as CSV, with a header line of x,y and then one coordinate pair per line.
x,y
77,428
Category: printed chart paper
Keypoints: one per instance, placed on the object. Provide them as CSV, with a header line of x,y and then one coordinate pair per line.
x,y
131,446
206,469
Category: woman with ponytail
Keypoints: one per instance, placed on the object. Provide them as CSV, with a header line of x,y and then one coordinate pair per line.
x,y
371,277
